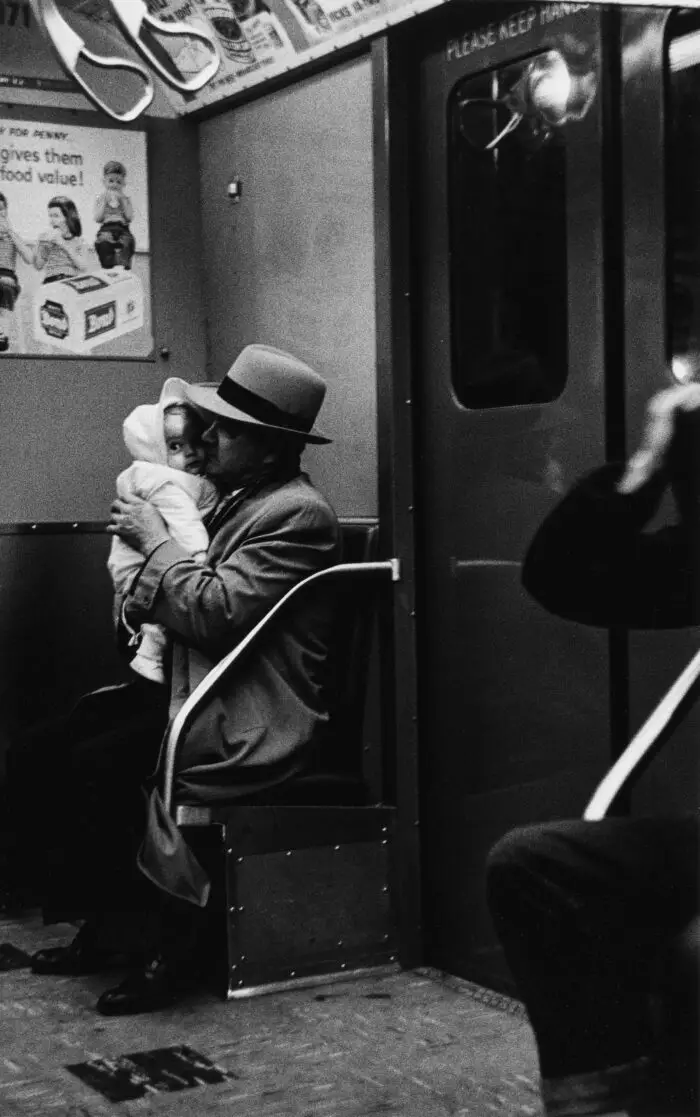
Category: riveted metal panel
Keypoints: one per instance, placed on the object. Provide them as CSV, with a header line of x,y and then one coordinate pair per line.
x,y
308,911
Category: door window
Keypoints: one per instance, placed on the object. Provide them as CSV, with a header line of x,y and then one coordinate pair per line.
x,y
508,262
683,194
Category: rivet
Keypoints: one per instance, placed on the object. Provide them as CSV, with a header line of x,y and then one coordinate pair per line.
x,y
340,943
242,958
232,909
34,526
385,888
238,859
229,851
409,401
343,966
386,938
292,973
336,848
234,967
240,982
240,907
385,842
288,853
74,525
410,508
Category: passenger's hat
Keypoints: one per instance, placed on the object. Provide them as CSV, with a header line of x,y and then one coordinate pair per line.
x,y
269,388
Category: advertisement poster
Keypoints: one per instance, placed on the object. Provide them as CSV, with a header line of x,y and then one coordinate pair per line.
x,y
74,241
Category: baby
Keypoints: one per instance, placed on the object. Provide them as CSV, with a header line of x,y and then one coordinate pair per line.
x,y
165,440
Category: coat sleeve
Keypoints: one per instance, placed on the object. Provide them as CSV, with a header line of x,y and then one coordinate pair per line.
x,y
213,606
592,560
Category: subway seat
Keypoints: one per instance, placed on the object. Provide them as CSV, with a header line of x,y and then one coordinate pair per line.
x,y
301,872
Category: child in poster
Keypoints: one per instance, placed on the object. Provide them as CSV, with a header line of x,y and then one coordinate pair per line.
x,y
114,212
11,246
61,252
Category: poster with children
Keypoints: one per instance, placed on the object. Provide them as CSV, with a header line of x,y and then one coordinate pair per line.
x,y
74,241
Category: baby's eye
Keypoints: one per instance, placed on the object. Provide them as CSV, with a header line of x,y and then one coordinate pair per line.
x,y
174,446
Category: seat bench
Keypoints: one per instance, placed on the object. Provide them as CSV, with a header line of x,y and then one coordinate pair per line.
x,y
303,869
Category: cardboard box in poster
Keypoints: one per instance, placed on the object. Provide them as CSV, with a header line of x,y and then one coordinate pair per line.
x,y
80,313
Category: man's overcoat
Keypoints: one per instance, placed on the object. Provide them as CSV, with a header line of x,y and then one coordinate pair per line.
x,y
260,727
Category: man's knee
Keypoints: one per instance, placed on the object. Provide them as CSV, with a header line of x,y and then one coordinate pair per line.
x,y
522,846
522,856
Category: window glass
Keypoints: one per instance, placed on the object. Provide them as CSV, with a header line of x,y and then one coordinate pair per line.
x,y
507,217
683,195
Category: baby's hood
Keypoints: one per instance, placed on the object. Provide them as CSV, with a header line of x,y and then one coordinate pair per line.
x,y
143,428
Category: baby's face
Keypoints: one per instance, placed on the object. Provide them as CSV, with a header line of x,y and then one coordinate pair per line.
x,y
183,428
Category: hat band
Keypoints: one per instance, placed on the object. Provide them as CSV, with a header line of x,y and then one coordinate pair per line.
x,y
258,408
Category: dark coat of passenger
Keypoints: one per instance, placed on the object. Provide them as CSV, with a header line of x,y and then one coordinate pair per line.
x,y
260,727
597,558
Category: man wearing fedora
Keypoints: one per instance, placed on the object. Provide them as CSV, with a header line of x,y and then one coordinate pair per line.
x,y
270,530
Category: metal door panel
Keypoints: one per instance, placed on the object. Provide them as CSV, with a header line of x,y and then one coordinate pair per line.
x,y
655,658
514,723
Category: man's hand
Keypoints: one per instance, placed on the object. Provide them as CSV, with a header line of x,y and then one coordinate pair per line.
x,y
138,523
658,433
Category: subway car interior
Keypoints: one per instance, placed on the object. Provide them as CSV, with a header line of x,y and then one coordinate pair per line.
x,y
480,223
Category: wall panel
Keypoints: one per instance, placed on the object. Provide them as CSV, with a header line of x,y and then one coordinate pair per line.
x,y
292,264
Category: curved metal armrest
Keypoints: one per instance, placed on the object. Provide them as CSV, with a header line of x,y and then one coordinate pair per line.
x,y
343,571
630,764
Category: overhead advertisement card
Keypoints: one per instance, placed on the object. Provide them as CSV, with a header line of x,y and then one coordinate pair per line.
x,y
259,39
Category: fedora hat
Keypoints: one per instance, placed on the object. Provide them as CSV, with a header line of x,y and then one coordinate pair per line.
x,y
268,388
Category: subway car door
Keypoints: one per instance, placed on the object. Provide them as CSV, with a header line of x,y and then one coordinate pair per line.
x,y
660,121
515,702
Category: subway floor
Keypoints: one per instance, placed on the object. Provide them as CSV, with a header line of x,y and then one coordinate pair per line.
x,y
412,1044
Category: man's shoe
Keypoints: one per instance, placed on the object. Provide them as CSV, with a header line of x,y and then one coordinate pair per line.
x,y
80,957
155,986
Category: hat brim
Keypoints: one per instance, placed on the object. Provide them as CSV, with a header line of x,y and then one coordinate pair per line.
x,y
206,397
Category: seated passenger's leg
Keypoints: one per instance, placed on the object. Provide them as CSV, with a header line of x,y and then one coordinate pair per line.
x,y
177,959
35,766
582,910
96,820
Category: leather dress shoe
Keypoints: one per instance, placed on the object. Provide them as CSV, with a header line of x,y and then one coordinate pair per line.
x,y
80,957
155,986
